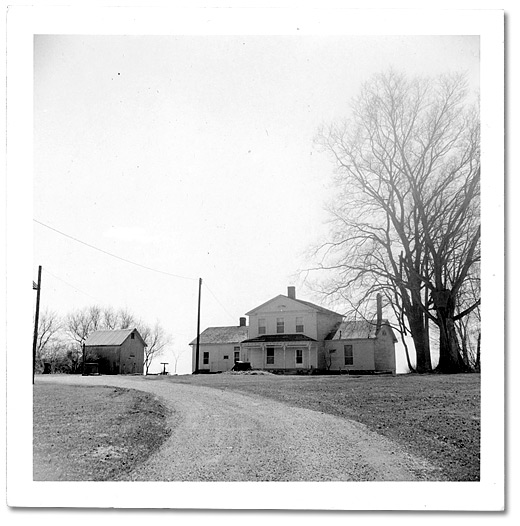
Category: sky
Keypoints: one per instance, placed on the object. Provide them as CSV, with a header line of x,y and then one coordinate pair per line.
x,y
193,156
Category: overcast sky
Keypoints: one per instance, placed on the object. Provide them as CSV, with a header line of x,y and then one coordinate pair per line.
x,y
194,156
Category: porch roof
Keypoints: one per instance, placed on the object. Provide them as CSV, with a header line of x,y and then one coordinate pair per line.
x,y
282,338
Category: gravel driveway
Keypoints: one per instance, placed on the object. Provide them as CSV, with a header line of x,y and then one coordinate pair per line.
x,y
225,436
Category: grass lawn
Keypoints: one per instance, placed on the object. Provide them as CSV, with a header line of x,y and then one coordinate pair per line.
x,y
93,433
434,416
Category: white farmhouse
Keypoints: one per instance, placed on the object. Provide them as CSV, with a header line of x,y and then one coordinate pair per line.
x,y
290,335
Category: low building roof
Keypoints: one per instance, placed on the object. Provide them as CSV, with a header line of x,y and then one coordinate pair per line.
x,y
357,330
116,337
273,338
233,334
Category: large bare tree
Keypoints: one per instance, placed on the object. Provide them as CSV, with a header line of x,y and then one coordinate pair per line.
x,y
405,220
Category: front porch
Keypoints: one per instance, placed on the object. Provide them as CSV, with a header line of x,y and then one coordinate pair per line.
x,y
281,353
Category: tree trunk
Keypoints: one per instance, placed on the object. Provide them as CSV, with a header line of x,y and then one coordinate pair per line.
x,y
463,333
418,332
450,360
411,368
477,360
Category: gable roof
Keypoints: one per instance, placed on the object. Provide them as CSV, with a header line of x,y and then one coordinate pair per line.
x,y
357,330
233,334
116,337
317,307
306,303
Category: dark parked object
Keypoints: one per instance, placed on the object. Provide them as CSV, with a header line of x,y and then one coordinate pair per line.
x,y
242,366
90,369
46,368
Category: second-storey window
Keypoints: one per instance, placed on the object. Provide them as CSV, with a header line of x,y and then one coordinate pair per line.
x,y
280,328
299,324
261,326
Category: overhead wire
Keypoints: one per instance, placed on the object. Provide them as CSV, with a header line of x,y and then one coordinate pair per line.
x,y
217,300
114,255
67,283
127,261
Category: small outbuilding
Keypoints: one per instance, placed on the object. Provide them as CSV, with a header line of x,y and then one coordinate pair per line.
x,y
116,352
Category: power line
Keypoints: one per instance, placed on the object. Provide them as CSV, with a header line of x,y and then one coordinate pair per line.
x,y
127,261
218,301
114,255
70,285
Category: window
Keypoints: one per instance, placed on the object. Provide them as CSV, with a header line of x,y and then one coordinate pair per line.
x,y
237,356
299,324
280,326
270,356
132,336
349,355
299,356
261,326
205,358
226,356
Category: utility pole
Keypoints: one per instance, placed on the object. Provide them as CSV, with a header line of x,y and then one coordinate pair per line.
x,y
83,358
36,316
198,332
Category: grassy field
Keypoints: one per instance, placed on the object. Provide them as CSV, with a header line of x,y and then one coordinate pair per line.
x,y
434,416
93,433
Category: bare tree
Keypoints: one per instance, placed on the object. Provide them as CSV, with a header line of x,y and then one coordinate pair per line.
x,y
176,355
126,319
110,319
62,356
79,324
49,325
406,215
156,340
468,327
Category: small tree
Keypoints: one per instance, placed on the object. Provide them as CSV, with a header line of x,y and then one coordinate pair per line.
x,y
156,340
176,355
49,325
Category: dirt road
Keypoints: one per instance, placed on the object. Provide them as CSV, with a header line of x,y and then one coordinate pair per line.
x,y
224,436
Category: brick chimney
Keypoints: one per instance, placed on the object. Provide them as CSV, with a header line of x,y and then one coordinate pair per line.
x,y
242,322
291,292
379,312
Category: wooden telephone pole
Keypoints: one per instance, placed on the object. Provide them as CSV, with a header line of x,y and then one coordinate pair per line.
x,y
36,316
198,332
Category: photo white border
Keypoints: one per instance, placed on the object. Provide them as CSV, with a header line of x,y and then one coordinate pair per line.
x,y
22,24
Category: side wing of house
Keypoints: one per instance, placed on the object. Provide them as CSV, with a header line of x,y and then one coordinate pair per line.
x,y
384,349
361,346
219,348
349,355
217,358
